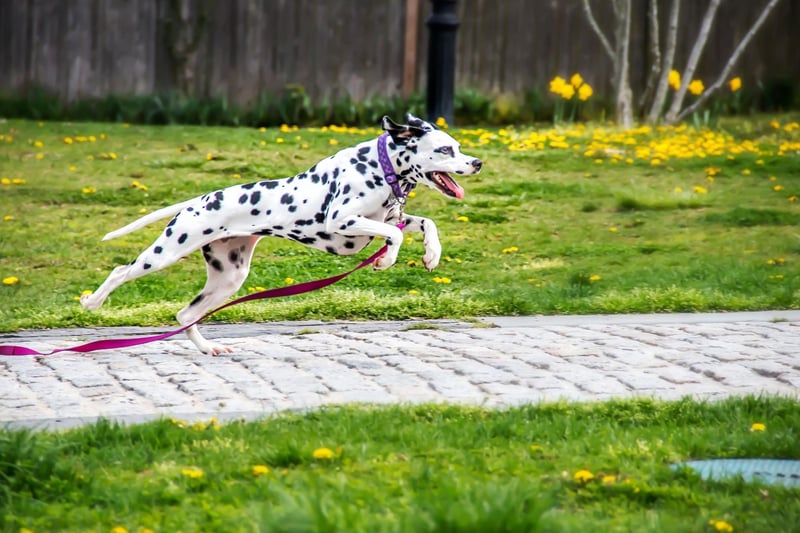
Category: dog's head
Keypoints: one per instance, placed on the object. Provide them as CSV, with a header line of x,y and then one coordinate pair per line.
x,y
435,154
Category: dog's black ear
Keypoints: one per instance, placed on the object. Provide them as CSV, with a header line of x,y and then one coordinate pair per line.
x,y
401,133
419,123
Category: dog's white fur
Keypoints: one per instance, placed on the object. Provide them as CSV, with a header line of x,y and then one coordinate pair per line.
x,y
339,205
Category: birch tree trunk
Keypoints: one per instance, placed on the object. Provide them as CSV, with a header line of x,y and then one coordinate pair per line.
x,y
657,105
691,65
624,98
654,54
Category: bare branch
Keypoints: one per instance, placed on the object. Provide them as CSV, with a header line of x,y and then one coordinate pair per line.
x,y
731,62
694,58
666,66
587,9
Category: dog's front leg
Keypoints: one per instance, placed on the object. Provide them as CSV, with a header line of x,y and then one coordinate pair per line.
x,y
430,238
355,225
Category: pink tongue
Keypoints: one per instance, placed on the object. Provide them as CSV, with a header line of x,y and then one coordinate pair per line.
x,y
452,186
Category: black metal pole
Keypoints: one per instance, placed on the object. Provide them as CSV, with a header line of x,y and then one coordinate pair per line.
x,y
442,26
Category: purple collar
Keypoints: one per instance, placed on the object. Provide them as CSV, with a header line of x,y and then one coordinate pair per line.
x,y
388,170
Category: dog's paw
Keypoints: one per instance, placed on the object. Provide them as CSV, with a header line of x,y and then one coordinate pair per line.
x,y
431,260
90,302
215,349
385,261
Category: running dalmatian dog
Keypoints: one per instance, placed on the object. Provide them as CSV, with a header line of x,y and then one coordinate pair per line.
x,y
339,205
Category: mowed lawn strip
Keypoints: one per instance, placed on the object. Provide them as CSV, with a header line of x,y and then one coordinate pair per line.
x,y
552,467
575,219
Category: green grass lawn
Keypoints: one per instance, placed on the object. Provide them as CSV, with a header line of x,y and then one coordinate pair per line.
x,y
584,219
561,467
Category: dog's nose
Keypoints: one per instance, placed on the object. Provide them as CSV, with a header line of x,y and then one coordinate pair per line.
x,y
477,164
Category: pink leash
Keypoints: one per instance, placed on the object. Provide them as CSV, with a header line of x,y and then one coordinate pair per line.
x,y
110,344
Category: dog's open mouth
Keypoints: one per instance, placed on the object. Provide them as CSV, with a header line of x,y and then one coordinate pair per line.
x,y
446,184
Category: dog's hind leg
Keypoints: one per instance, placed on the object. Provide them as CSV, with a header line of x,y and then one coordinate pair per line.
x,y
153,259
227,266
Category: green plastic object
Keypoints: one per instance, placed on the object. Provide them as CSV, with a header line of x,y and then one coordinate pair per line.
x,y
770,471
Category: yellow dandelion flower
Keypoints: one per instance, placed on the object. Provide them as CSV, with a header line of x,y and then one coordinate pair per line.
x,y
441,122
68,140
18,181
612,229
462,218
758,426
576,80
333,142
583,476
38,144
510,250
322,454
746,172
119,529
735,84
209,156
289,281
777,188
792,198
699,190
192,472
10,280
775,124
413,292
39,156
608,480
595,277
721,525
8,217
73,168
5,181
260,470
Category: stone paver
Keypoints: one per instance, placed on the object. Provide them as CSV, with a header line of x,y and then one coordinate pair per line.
x,y
497,362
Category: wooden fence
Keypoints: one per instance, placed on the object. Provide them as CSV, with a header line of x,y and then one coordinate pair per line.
x,y
242,48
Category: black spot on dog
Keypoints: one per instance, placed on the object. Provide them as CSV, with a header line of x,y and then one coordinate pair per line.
x,y
255,197
332,250
243,199
248,186
370,185
324,235
182,238
173,221
147,266
364,150
158,250
304,222
346,189
292,208
287,199
319,218
373,164
277,227
314,178
268,184
168,233
349,245
189,209
233,256
255,212
263,232
353,160
208,231
216,264
361,168
197,299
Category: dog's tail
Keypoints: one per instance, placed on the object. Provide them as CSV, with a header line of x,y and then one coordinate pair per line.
x,y
148,219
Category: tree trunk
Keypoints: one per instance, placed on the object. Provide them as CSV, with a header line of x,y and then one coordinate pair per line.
x,y
666,66
654,54
624,96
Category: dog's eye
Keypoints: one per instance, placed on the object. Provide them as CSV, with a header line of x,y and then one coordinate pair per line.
x,y
446,150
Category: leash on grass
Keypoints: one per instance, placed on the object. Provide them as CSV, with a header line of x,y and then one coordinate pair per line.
x,y
110,344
